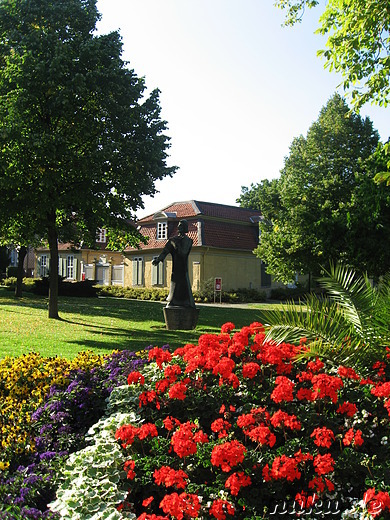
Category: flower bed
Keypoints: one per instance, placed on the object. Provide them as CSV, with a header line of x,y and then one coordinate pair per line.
x,y
233,428
47,406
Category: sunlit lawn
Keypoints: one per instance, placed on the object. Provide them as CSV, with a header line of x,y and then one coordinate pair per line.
x,y
101,325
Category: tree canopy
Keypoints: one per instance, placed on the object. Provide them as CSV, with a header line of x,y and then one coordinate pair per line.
x,y
326,206
80,142
358,44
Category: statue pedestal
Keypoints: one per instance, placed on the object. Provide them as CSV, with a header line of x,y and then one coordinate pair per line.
x,y
180,318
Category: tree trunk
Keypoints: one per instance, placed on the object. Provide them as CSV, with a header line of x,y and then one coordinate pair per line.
x,y
53,272
20,272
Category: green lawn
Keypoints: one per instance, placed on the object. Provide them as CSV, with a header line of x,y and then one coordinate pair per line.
x,y
101,325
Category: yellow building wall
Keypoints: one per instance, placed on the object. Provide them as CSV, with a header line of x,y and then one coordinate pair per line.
x,y
238,270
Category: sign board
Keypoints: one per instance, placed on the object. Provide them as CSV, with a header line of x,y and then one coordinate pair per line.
x,y
218,288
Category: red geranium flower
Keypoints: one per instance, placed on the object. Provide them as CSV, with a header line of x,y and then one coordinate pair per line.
x,y
236,481
219,508
228,455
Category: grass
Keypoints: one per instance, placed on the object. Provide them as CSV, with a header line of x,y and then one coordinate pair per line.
x,y
101,325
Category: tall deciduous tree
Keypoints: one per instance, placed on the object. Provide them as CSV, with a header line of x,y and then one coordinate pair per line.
x,y
326,205
79,143
358,44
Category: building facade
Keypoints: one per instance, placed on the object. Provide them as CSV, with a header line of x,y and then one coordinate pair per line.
x,y
224,238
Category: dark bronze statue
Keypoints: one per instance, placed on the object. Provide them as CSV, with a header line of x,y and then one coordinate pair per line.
x,y
179,247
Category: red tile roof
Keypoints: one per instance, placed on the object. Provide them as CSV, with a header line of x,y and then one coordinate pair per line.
x,y
209,224
194,208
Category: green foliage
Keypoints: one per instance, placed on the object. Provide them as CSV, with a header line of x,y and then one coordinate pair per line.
x,y
95,144
243,295
285,293
11,272
134,293
28,284
4,259
358,45
90,483
84,289
326,206
350,325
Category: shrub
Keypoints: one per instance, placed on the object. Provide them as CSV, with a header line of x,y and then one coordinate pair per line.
x,y
27,284
234,428
135,293
84,289
11,272
206,294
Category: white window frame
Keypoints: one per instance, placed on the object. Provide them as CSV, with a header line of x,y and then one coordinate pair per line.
x,y
70,267
162,230
43,266
101,236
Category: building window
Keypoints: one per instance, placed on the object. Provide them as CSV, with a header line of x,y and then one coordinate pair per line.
x,y
138,271
101,236
70,267
162,230
43,266
158,273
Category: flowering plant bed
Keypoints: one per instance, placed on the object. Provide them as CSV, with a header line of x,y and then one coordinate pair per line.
x,y
234,427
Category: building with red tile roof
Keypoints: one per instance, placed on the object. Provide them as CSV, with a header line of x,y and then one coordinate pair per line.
x,y
224,238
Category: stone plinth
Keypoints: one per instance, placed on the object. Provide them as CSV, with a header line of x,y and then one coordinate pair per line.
x,y
180,318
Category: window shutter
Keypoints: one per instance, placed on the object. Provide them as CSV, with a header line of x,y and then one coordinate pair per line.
x,y
135,266
161,273
61,266
75,262
140,271
155,272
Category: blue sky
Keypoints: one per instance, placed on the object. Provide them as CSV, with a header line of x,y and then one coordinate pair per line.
x,y
236,88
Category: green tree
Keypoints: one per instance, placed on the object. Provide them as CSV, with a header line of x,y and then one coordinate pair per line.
x,y
329,207
80,144
19,231
4,259
358,44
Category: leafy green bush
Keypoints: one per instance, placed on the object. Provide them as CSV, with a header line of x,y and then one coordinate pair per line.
x,y
206,294
84,289
134,293
28,284
11,271
286,293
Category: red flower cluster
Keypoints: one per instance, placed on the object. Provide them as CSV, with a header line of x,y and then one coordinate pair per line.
x,y
170,477
184,440
325,385
352,437
236,481
323,437
181,506
220,508
228,455
128,433
376,503
227,367
284,467
283,390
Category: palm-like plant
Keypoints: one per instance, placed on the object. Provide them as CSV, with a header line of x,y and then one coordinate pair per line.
x,y
350,325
